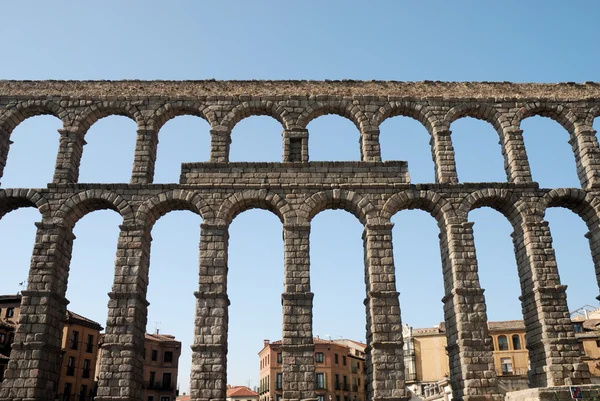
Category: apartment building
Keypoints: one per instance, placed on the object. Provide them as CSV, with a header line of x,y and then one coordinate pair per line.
x,y
79,349
161,362
240,393
339,370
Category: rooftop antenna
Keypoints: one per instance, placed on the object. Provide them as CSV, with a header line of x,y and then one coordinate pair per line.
x,y
156,329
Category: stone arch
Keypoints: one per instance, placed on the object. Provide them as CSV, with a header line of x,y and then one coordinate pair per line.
x,y
254,199
171,110
17,113
562,115
499,199
591,116
350,201
578,201
91,114
177,199
257,108
479,111
407,109
433,203
13,199
82,203
343,108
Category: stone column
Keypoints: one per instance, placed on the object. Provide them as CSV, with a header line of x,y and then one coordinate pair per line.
x,y
470,347
34,367
553,350
516,163
587,156
443,156
297,344
68,159
145,156
295,145
122,364
220,141
370,149
209,351
5,143
384,353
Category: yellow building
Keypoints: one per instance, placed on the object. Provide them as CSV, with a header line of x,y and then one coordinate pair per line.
x,y
161,364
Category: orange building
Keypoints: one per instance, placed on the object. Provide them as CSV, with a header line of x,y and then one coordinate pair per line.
x,y
241,393
161,364
339,370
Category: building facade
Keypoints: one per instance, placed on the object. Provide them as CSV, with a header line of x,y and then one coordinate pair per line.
x,y
79,349
339,370
241,393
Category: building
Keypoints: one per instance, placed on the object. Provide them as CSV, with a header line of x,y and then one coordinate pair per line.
x,y
80,353
339,370
161,363
241,393
79,349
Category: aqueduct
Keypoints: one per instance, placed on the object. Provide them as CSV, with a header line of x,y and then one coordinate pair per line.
x,y
296,190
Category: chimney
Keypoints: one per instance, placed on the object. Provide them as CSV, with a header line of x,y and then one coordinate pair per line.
x,y
266,342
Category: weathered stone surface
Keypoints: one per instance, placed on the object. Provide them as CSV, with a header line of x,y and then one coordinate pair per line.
x,y
296,190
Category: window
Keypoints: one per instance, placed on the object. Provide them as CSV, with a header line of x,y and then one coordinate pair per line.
x,y
10,312
90,344
598,343
320,381
516,340
337,398
279,358
166,381
150,398
83,393
344,360
168,357
346,387
152,378
279,381
154,355
502,343
86,369
320,398
578,327
67,391
2,338
319,357
337,381
278,398
506,364
165,398
335,357
74,339
71,366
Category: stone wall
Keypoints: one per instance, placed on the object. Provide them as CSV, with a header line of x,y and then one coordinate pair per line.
x,y
296,190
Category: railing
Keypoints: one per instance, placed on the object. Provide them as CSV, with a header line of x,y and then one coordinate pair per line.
x,y
338,386
346,387
160,386
74,397
513,372
355,388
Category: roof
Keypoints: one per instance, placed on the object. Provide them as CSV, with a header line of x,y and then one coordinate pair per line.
x,y
591,324
184,398
8,325
506,325
75,318
13,298
161,338
241,391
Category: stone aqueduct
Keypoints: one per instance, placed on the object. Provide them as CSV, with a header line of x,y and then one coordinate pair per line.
x,y
296,190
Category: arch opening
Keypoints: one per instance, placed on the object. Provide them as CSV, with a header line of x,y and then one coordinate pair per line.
x,y
256,139
404,138
32,156
109,153
334,138
551,158
255,284
477,151
181,139
173,276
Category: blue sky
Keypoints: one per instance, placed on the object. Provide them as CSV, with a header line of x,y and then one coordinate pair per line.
x,y
540,41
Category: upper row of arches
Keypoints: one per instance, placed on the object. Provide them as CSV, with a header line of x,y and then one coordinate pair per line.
x,y
293,115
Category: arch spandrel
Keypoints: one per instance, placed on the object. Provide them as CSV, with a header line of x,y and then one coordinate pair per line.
x,y
85,202
559,113
343,108
96,111
416,111
592,115
17,113
354,203
254,199
178,199
502,200
429,201
13,199
479,111
170,110
256,108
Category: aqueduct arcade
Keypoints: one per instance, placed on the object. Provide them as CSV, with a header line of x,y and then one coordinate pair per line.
x,y
296,190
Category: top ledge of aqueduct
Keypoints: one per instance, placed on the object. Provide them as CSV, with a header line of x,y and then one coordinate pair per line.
x,y
344,88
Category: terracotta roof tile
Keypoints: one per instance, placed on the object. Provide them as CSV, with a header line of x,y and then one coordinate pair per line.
x,y
84,321
240,391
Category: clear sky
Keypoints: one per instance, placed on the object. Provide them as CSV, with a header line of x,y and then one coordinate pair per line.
x,y
541,41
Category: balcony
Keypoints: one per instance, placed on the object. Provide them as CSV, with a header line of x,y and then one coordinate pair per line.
x,y
338,386
355,388
346,387
512,372
159,386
